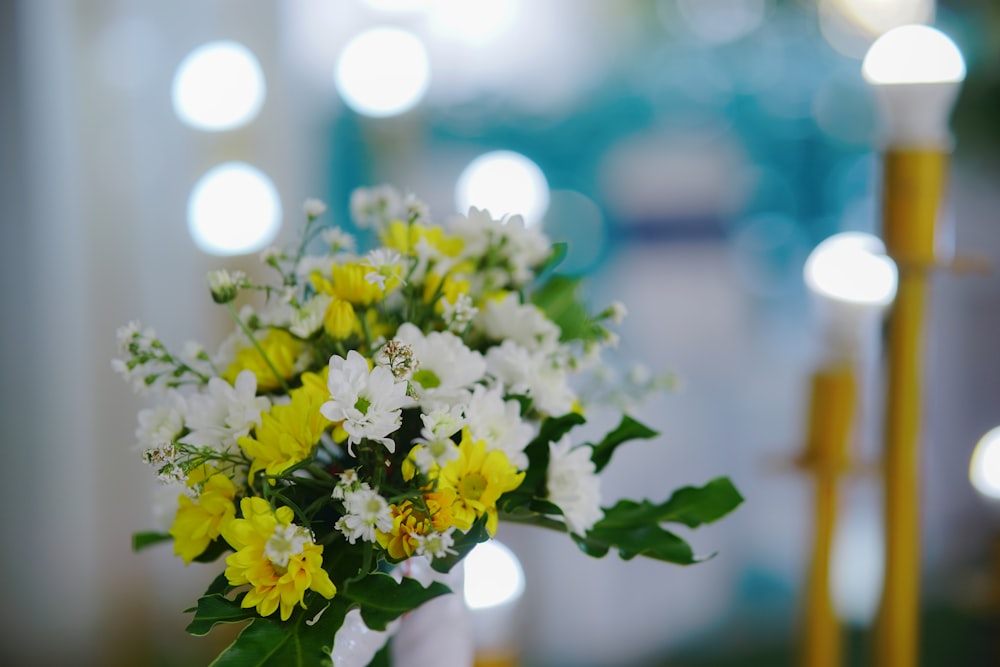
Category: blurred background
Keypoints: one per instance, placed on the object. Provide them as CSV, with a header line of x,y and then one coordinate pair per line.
x,y
693,153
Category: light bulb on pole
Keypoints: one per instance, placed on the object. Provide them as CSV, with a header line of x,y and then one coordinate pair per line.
x,y
916,72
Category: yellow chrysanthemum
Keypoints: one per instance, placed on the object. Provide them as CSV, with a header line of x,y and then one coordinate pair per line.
x,y
340,320
347,282
449,288
478,478
277,558
287,433
403,238
280,347
198,522
408,521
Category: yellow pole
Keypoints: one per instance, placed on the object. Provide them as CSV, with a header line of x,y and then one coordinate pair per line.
x,y
830,421
912,193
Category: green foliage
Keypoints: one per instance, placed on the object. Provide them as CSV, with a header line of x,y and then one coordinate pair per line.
x,y
557,298
627,429
147,539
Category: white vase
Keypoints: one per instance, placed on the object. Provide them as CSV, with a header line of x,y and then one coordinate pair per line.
x,y
438,633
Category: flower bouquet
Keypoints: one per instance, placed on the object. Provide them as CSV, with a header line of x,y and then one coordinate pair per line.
x,y
383,407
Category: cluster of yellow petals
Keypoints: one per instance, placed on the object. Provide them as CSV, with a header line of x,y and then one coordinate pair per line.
x,y
408,521
469,486
349,290
288,432
281,348
404,238
272,586
198,522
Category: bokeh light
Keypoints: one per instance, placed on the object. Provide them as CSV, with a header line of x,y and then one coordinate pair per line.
x,y
984,469
493,576
852,267
504,183
722,21
218,86
233,209
383,72
473,23
913,54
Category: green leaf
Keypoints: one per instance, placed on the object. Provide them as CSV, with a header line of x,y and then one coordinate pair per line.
x,y
690,505
627,429
304,640
383,599
143,540
214,609
641,540
559,251
558,300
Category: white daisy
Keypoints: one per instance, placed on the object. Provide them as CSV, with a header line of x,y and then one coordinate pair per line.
x,y
541,376
308,319
498,422
160,425
223,412
574,485
365,511
369,403
447,368
525,324
436,545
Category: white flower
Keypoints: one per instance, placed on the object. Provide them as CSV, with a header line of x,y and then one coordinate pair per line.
x,y
349,481
458,315
224,412
376,207
313,207
398,357
285,542
160,425
574,485
442,421
499,424
524,324
271,254
312,263
541,376
435,452
618,312
385,263
446,366
308,319
520,247
416,210
225,285
368,402
337,239
365,511
436,545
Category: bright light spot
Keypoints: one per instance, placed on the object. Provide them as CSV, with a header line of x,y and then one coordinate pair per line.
x,y
218,86
504,183
474,23
401,6
913,54
857,566
879,16
383,72
493,576
852,267
234,209
984,469
721,21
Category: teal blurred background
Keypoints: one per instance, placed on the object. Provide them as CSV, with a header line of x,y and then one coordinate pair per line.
x,y
693,153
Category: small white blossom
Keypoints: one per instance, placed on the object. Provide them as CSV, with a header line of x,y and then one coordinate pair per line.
x,y
458,315
313,207
365,512
160,425
369,403
524,324
385,264
436,452
349,481
618,312
285,542
436,545
225,285
375,207
574,485
338,240
398,357
416,210
223,413
308,319
541,376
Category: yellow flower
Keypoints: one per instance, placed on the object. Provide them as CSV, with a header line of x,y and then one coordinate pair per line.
x,y
404,237
407,522
478,478
281,348
199,522
277,558
287,433
340,320
347,282
449,288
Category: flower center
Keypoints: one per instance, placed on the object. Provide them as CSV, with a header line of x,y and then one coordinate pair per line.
x,y
472,486
286,542
362,405
428,379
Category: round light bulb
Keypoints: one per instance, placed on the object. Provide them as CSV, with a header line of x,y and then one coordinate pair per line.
x,y
234,209
218,86
383,72
504,183
852,267
916,72
913,54
984,469
493,576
